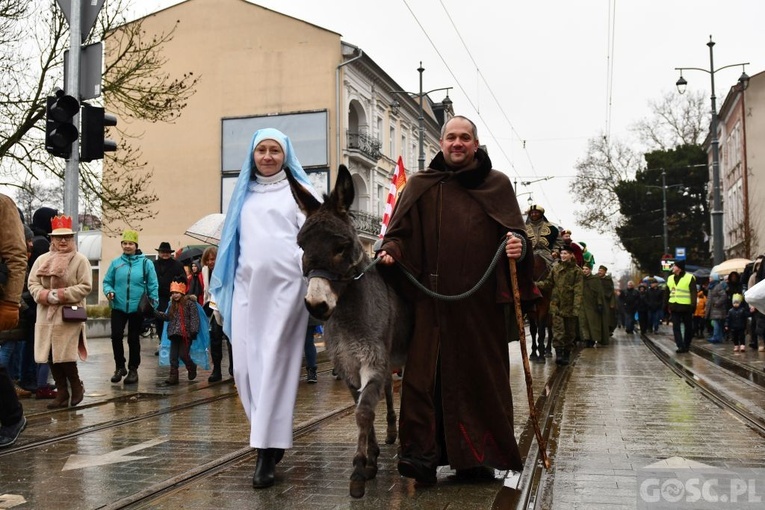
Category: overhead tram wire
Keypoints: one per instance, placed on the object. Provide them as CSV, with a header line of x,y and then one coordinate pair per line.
x,y
459,85
496,100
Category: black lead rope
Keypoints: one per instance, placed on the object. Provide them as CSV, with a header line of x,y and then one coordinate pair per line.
x,y
443,297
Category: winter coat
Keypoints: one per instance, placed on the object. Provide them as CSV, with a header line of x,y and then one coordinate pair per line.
x,y
565,280
630,298
736,318
655,298
701,304
717,301
168,270
65,340
591,314
125,278
181,318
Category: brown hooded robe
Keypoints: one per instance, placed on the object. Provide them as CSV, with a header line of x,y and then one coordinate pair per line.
x,y
456,403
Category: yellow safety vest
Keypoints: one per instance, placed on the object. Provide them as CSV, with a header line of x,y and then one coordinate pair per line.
x,y
680,292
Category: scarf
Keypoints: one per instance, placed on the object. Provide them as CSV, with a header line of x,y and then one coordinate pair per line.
x,y
56,267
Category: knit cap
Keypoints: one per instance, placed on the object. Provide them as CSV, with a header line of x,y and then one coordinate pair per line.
x,y
738,298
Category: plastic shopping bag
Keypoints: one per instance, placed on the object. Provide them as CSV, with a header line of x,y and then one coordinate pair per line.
x,y
756,296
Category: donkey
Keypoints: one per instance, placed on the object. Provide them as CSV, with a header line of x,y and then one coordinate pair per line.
x,y
368,325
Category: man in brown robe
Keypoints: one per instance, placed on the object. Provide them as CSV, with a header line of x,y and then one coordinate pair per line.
x,y
456,403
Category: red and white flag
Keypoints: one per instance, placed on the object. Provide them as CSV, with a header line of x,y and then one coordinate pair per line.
x,y
397,183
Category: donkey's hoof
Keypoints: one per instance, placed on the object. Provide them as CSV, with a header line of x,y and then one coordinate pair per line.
x,y
370,472
357,488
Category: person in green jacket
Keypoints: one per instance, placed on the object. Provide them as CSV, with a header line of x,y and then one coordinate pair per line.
x,y
593,303
565,280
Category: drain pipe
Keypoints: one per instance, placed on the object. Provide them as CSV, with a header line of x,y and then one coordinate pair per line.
x,y
337,103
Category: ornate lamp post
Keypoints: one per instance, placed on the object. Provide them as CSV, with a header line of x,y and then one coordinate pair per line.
x,y
421,119
717,212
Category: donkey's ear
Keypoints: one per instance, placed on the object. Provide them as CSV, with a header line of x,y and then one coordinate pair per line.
x,y
305,200
342,196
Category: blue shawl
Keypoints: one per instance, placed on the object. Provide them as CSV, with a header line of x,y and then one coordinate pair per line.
x,y
222,283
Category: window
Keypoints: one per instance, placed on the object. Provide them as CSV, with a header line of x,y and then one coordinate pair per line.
x,y
392,143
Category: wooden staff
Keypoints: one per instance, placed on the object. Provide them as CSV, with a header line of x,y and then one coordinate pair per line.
x,y
526,367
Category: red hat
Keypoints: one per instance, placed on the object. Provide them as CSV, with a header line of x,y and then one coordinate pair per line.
x,y
61,225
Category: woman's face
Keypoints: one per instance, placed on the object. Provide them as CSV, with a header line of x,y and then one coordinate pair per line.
x,y
175,296
129,248
269,157
63,243
194,268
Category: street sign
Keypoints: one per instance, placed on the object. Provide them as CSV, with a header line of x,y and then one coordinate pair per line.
x,y
89,10
666,264
91,62
680,253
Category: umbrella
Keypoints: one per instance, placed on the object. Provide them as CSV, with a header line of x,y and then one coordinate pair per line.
x,y
702,272
189,253
207,229
730,265
658,279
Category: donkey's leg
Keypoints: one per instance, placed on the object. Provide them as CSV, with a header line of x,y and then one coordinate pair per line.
x,y
391,432
363,466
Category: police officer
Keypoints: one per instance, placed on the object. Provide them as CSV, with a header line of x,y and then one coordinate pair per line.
x,y
681,300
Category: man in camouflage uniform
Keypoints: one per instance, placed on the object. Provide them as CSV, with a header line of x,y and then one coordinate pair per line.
x,y
543,235
565,280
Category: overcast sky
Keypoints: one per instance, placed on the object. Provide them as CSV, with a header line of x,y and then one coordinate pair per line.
x,y
546,63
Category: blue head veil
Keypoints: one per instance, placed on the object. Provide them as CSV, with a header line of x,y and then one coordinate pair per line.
x,y
222,282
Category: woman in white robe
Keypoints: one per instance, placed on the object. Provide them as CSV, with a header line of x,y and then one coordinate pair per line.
x,y
259,289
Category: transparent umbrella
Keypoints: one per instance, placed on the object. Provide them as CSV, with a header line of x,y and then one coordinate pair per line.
x,y
207,229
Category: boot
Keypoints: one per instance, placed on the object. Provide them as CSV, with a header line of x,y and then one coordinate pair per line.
x,y
62,395
278,454
73,376
132,376
192,368
119,373
216,375
311,377
172,379
559,356
264,469
566,356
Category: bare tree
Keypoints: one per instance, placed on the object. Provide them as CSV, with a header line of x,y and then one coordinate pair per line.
x,y
675,120
597,175
134,85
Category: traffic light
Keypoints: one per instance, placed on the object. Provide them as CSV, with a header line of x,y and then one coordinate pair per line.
x,y
92,143
60,131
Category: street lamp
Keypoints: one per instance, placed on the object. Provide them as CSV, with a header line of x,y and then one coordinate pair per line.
x,y
421,95
717,212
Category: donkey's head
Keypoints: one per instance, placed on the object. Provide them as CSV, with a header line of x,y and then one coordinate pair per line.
x,y
332,251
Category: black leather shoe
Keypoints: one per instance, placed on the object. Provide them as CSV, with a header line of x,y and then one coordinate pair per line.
x,y
265,469
119,374
476,474
215,376
413,469
132,377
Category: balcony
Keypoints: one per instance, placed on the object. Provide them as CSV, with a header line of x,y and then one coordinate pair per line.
x,y
362,143
367,225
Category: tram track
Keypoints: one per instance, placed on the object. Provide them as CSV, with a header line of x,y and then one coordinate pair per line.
x,y
711,391
527,494
39,418
148,497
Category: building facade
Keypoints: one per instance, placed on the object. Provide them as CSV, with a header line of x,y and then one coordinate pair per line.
x,y
741,129
260,68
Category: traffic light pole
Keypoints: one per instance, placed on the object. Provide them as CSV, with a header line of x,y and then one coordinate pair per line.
x,y
72,173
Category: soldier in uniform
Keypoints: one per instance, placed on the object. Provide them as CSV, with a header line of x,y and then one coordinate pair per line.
x,y
565,280
543,235
593,304
609,310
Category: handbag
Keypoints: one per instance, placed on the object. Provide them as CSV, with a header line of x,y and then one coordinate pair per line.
x,y
73,313
144,304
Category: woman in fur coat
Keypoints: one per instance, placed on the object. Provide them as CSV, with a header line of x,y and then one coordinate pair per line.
x,y
58,278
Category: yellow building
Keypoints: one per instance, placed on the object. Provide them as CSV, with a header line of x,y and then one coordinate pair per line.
x,y
260,68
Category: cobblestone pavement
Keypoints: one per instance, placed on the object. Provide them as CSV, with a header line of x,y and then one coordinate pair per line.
x,y
623,409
